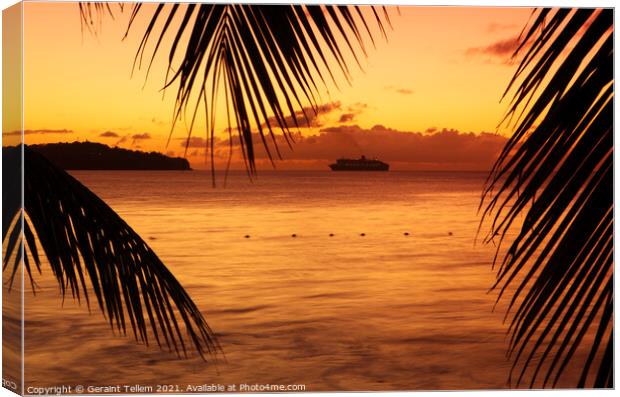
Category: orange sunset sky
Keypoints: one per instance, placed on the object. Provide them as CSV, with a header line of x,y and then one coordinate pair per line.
x,y
428,97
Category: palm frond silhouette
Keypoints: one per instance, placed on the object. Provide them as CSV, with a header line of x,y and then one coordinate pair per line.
x,y
269,59
88,245
556,172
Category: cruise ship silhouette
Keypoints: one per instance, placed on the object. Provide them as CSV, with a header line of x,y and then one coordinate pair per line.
x,y
361,164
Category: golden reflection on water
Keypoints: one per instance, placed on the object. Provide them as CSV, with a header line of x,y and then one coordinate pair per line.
x,y
383,311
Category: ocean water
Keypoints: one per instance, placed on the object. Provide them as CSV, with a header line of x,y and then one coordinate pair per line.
x,y
382,311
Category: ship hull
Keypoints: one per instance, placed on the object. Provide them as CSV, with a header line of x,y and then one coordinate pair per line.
x,y
337,167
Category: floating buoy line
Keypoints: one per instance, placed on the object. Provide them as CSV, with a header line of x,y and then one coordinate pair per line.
x,y
294,235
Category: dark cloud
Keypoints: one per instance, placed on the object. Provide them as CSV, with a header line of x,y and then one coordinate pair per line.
x,y
399,90
41,131
346,117
122,140
446,149
135,138
308,117
502,48
139,137
109,134
404,91
353,111
312,118
501,51
194,142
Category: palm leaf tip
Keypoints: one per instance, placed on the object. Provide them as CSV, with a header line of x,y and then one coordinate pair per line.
x,y
556,174
91,250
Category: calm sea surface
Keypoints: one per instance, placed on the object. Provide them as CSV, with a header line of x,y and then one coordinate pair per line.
x,y
380,312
